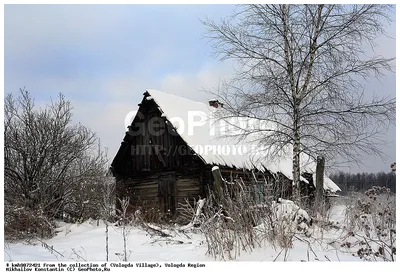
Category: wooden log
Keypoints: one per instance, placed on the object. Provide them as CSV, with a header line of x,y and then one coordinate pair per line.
x,y
319,180
218,182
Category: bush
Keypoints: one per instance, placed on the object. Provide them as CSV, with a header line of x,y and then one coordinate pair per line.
x,y
20,223
53,169
371,219
238,221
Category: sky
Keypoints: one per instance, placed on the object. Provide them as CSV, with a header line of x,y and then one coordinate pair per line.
x,y
103,57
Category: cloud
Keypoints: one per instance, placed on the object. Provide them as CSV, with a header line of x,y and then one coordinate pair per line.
x,y
191,84
194,85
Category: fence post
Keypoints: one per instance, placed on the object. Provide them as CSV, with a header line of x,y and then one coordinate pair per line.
x,y
319,180
217,182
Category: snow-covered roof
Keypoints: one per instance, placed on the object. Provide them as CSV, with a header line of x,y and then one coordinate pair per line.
x,y
197,125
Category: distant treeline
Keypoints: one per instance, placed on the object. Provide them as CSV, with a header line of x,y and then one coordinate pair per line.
x,y
363,181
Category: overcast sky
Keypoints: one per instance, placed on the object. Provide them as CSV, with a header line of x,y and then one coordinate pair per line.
x,y
103,57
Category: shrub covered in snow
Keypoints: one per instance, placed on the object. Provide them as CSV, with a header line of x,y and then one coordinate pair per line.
x,y
22,223
289,219
371,221
237,221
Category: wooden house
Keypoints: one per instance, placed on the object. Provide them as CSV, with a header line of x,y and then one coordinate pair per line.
x,y
170,148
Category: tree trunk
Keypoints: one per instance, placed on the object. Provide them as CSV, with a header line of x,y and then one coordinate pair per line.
x,y
107,250
296,159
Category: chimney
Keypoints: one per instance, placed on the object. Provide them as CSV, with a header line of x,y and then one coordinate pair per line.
x,y
215,103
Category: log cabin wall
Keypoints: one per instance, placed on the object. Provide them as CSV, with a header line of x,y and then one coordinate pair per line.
x,y
145,191
276,186
155,167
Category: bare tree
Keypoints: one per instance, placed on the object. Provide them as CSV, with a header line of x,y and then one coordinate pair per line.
x,y
126,222
301,68
52,168
108,208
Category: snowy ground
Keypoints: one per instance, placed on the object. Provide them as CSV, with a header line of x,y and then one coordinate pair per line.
x,y
86,242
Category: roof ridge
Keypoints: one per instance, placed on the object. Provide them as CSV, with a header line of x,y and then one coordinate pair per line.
x,y
163,92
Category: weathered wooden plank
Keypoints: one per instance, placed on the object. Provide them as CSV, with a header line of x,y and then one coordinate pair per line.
x,y
145,186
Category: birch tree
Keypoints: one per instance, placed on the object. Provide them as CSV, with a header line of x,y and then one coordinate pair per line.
x,y
301,68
